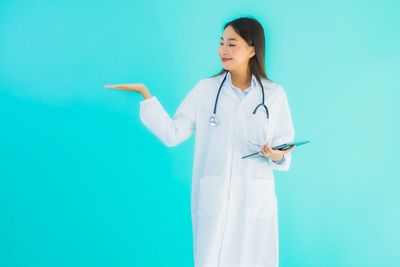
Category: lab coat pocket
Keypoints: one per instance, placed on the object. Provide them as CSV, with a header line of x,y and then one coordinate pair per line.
x,y
210,195
260,198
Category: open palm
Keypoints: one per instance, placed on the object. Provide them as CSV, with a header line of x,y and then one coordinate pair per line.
x,y
133,87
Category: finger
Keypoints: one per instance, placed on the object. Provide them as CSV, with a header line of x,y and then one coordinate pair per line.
x,y
122,87
115,85
268,149
265,151
262,150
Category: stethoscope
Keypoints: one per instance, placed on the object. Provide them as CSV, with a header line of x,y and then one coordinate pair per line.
x,y
213,118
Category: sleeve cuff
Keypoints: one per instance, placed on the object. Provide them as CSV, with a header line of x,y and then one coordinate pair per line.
x,y
279,162
148,101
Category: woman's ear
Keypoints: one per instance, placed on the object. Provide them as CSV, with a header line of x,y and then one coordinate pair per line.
x,y
252,51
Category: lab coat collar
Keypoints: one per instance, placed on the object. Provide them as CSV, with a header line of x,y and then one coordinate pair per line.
x,y
252,85
230,89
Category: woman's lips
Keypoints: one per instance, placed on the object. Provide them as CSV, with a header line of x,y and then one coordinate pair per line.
x,y
225,59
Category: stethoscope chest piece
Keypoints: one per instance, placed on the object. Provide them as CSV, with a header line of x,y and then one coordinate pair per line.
x,y
213,120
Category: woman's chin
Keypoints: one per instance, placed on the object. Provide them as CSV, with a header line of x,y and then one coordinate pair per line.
x,y
226,66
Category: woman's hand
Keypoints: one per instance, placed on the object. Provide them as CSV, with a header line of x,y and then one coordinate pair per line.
x,y
134,87
275,154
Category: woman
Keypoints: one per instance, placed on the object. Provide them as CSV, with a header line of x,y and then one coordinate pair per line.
x,y
233,205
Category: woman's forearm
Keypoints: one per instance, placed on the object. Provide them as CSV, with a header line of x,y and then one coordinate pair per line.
x,y
146,94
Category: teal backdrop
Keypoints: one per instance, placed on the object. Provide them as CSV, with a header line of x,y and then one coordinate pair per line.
x,y
84,183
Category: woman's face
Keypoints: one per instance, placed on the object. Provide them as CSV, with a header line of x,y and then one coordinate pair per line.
x,y
234,52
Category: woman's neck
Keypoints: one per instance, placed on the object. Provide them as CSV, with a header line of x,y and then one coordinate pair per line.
x,y
241,79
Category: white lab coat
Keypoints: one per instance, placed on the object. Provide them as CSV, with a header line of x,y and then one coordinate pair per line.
x,y
233,201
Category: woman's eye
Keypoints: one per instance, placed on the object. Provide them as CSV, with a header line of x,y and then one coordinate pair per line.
x,y
229,45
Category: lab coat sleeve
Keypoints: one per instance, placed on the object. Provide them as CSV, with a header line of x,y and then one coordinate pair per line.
x,y
171,131
284,132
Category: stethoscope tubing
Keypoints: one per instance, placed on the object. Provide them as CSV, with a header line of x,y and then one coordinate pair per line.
x,y
213,118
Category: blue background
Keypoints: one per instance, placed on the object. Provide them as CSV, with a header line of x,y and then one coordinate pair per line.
x,y
84,183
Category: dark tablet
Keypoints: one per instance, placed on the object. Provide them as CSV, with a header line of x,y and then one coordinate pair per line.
x,y
287,145
280,147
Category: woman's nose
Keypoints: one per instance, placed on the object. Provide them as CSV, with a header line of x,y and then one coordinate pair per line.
x,y
222,52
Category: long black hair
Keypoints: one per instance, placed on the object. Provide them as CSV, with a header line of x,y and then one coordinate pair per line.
x,y
253,33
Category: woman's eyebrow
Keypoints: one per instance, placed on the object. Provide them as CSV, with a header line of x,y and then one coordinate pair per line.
x,y
233,39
